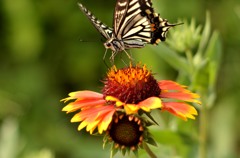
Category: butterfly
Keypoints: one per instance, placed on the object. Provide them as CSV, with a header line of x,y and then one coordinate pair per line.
x,y
135,24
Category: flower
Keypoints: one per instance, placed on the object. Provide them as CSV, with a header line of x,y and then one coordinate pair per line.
x,y
128,133
129,90
135,88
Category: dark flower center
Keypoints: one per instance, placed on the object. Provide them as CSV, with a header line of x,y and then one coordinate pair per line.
x,y
131,85
125,132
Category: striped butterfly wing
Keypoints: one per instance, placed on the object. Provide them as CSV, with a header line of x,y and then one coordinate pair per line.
x,y
135,20
160,25
105,31
131,22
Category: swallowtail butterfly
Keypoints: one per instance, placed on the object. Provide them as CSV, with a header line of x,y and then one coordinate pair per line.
x,y
135,24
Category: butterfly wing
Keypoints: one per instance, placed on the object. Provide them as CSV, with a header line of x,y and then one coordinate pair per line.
x,y
136,23
105,31
160,26
131,22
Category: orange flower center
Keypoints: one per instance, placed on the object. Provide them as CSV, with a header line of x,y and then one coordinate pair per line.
x,y
130,85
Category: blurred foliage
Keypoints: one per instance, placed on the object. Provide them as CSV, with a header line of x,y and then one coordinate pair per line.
x,y
42,59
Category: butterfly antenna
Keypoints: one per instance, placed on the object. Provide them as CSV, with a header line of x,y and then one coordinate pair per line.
x,y
81,40
172,25
102,40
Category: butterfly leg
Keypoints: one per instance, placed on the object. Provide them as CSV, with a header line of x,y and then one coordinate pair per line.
x,y
112,57
123,60
129,56
104,56
104,59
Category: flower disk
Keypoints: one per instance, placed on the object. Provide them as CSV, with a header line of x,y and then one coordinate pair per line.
x,y
130,85
126,132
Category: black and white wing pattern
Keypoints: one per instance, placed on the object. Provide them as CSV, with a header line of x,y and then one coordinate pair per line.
x,y
136,20
135,24
101,27
131,22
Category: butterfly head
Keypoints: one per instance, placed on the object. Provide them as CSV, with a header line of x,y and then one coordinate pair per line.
x,y
114,44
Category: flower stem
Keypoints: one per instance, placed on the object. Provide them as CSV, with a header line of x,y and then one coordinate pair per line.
x,y
190,60
203,131
149,151
111,154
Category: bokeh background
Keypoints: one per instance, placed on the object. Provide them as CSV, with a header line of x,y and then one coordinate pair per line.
x,y
49,48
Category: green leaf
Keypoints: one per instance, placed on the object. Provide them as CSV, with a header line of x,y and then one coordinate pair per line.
x,y
124,151
172,58
135,153
113,151
148,123
151,141
205,34
214,54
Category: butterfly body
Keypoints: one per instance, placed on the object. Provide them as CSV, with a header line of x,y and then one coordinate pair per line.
x,y
135,24
117,45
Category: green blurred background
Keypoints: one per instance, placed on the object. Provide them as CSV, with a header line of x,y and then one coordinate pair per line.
x,y
42,59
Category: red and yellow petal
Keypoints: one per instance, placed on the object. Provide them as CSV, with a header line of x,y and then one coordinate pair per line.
x,y
118,103
92,126
100,117
82,125
83,99
131,108
106,120
173,90
87,113
83,95
94,110
184,96
168,84
146,105
79,104
150,103
180,109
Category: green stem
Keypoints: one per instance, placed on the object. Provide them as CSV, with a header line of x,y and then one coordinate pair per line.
x,y
203,131
111,154
190,60
203,112
149,151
